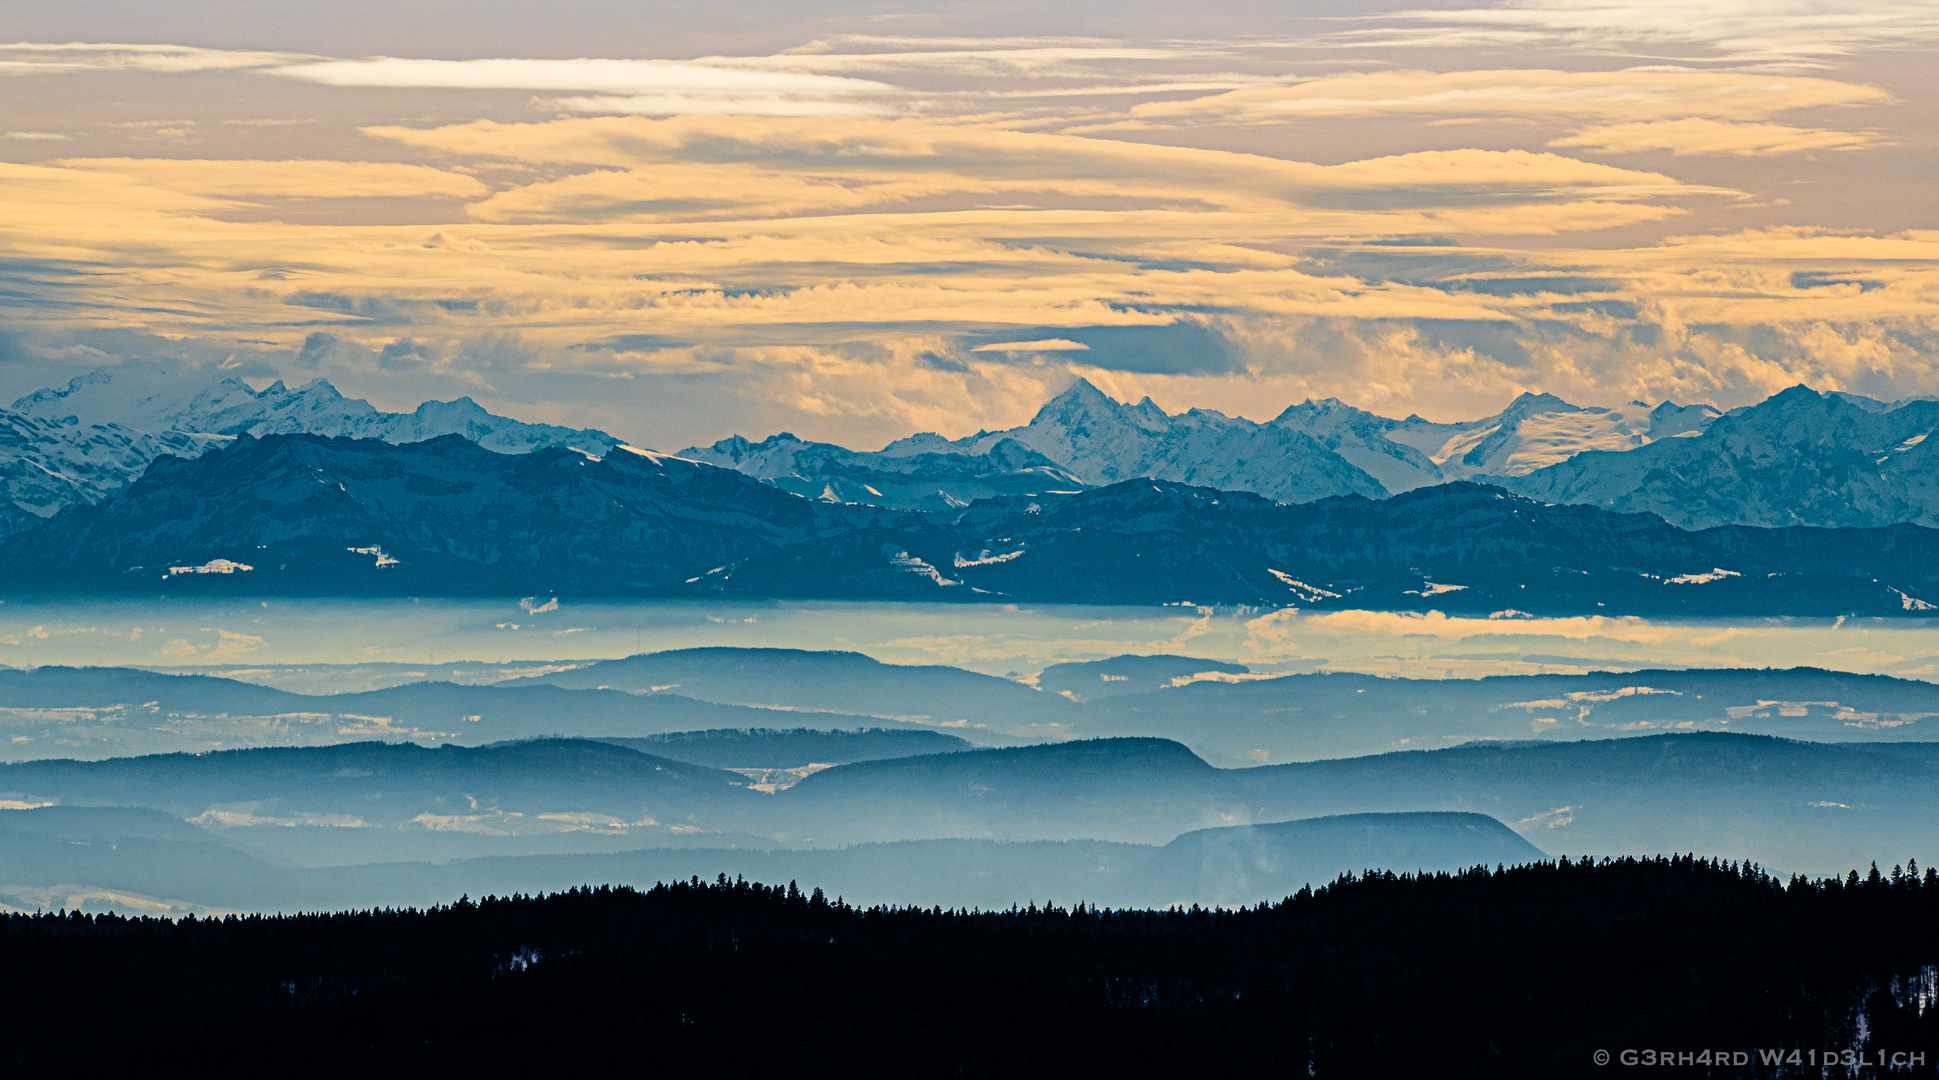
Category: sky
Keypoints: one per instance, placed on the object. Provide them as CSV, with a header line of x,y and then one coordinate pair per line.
x,y
860,220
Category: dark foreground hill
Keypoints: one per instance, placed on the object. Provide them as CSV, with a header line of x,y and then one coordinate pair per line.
x,y
1545,971
312,516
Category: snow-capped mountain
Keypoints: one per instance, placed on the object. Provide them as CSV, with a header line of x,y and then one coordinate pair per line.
x,y
1535,431
313,515
49,464
148,399
307,515
78,443
1798,458
912,481
1102,441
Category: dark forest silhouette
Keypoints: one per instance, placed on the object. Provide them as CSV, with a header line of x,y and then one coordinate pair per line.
x,y
1519,972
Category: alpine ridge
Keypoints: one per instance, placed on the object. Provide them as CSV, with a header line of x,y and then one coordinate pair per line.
x,y
308,515
80,443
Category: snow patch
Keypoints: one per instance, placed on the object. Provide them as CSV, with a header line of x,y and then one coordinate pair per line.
x,y
1429,588
241,817
1219,677
213,566
655,456
986,559
908,563
1308,593
1909,602
1716,574
383,560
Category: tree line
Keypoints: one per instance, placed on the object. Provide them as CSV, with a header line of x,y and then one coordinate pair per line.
x,y
1524,971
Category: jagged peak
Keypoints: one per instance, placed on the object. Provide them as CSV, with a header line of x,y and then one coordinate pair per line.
x,y
1323,407
1790,394
458,405
1528,403
1082,392
1079,399
315,387
1668,406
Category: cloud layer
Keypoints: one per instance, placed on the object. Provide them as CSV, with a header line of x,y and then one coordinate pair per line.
x,y
868,235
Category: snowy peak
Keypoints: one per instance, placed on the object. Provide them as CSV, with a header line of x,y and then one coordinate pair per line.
x,y
230,408
150,398
1102,441
1079,402
1539,430
1670,420
79,443
1527,404
773,458
901,477
1365,440
1797,458
134,395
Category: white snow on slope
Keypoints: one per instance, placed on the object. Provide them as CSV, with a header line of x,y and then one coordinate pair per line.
x,y
1717,574
910,564
78,444
213,566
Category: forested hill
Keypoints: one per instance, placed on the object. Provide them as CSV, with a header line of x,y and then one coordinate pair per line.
x,y
1526,972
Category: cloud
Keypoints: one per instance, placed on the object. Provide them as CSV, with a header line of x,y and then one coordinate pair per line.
x,y
875,235
631,76
1696,135
34,58
1185,346
1436,624
287,179
715,105
716,167
1520,94
1042,345
665,87
1780,31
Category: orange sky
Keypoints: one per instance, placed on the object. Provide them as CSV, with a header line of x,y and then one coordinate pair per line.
x,y
856,225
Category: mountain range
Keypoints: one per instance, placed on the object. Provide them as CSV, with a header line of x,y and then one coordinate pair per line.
x,y
78,444
1312,450
1799,769
1799,458
743,709
1090,814
309,515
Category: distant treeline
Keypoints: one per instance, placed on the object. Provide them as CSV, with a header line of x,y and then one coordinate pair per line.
x,y
1522,972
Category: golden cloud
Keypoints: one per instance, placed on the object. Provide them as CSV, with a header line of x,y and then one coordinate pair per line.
x,y
1700,135
1520,94
699,167
287,179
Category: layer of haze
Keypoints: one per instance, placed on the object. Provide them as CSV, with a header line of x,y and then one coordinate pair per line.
x,y
267,640
677,222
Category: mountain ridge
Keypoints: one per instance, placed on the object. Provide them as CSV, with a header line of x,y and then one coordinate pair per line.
x,y
80,443
308,515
